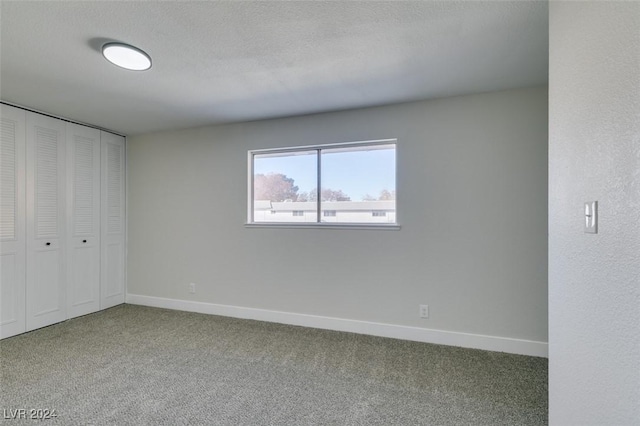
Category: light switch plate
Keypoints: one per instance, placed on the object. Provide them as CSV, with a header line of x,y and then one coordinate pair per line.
x,y
591,217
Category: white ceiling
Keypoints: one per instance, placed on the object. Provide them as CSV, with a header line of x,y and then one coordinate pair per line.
x,y
224,61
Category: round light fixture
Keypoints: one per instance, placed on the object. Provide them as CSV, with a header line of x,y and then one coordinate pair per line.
x,y
127,57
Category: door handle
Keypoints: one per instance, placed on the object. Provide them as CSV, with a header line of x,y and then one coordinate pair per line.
x,y
84,241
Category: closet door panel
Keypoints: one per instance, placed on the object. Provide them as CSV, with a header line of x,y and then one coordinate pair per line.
x,y
83,208
12,221
47,284
45,277
114,273
113,220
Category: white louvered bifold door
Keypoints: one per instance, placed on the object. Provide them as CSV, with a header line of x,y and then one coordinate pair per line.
x,y
112,283
83,210
46,175
12,221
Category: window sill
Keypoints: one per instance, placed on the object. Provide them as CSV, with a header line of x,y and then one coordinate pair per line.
x,y
324,225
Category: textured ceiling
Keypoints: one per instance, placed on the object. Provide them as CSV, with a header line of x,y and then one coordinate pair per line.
x,y
216,62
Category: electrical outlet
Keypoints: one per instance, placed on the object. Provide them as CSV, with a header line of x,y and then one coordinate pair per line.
x,y
192,288
424,311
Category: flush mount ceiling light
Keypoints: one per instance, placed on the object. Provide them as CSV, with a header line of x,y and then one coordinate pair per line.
x,y
127,57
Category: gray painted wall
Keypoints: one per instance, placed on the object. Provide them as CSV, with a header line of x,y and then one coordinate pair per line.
x,y
472,189
594,154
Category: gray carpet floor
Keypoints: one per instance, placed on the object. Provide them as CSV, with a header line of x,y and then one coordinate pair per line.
x,y
133,365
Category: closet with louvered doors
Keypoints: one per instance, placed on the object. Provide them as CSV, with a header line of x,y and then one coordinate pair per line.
x,y
112,270
62,230
45,175
83,207
12,221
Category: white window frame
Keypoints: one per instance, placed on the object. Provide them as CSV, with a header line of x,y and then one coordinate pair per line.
x,y
334,225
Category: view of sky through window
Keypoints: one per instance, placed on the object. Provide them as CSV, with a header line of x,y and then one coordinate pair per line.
x,y
357,174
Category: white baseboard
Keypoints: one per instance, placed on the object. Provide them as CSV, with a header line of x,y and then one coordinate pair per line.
x,y
417,334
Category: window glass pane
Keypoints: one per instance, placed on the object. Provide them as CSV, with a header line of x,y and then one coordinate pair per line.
x,y
359,184
284,187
